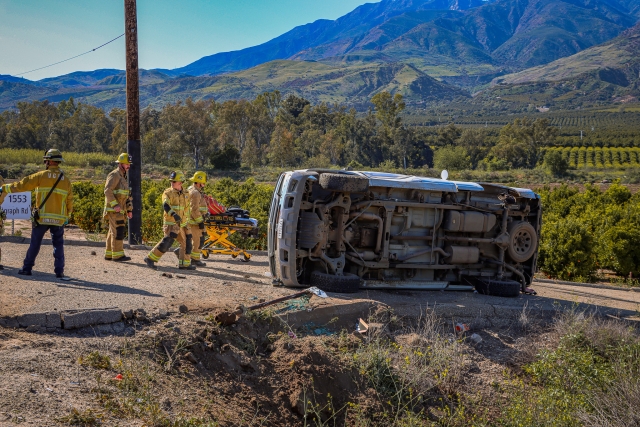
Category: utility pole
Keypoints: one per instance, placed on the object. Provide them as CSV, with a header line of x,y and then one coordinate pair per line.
x,y
133,120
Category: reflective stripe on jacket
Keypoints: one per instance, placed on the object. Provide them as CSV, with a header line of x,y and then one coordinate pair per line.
x,y
179,204
116,192
59,205
197,204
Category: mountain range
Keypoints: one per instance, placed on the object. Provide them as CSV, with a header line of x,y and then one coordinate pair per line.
x,y
428,50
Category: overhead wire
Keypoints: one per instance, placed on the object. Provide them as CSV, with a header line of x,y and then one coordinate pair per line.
x,y
73,57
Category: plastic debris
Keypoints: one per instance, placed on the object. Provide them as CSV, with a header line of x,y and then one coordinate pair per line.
x,y
475,338
292,335
362,326
318,292
461,327
118,377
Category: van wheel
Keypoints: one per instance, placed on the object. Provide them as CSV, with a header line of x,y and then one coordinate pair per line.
x,y
345,183
523,241
347,284
498,288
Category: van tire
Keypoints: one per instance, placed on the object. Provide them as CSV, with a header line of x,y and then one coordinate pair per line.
x,y
347,284
523,241
344,183
498,288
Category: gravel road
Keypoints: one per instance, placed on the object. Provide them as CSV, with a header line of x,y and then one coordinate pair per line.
x,y
227,282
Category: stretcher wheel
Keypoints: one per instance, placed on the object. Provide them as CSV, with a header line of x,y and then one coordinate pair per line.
x,y
245,258
205,254
234,256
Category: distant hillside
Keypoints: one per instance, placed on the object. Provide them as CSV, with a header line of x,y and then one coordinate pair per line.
x,y
354,85
597,76
621,53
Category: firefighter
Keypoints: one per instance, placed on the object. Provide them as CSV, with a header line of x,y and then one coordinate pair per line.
x,y
197,215
3,194
117,209
53,205
175,225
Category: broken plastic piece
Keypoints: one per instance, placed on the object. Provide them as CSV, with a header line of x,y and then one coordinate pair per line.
x,y
475,338
118,377
318,292
462,327
362,326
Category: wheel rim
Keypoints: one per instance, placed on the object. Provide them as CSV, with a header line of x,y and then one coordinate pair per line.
x,y
522,242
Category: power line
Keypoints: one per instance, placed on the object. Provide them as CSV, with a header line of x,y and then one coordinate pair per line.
x,y
69,59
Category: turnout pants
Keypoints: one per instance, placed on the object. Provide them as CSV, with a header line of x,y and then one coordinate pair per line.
x,y
57,238
115,236
198,240
172,233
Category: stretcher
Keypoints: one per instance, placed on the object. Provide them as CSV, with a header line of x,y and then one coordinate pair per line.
x,y
223,222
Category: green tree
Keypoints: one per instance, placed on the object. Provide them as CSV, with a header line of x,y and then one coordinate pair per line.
x,y
555,163
388,109
451,158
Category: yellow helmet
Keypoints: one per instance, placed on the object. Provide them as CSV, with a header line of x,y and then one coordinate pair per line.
x,y
124,159
54,155
199,177
176,177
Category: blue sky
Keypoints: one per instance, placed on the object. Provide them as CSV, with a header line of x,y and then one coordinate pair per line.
x,y
172,33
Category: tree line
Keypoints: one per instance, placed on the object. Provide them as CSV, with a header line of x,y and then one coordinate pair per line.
x,y
272,130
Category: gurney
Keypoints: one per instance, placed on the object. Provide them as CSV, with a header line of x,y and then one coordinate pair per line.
x,y
223,222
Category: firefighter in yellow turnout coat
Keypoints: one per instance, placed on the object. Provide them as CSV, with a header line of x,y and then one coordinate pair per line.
x,y
198,212
117,209
175,225
53,213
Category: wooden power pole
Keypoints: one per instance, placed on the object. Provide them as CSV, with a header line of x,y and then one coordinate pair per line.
x,y
133,121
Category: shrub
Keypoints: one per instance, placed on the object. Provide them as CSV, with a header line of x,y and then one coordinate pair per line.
x,y
88,206
228,158
567,250
619,249
555,163
451,158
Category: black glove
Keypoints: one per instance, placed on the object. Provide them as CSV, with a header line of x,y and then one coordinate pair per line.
x,y
177,218
201,226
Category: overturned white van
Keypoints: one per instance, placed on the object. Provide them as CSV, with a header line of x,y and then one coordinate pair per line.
x,y
344,230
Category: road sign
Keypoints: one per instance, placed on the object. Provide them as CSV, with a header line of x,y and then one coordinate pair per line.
x,y
17,205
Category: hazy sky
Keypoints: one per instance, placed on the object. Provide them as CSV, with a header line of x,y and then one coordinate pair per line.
x,y
171,33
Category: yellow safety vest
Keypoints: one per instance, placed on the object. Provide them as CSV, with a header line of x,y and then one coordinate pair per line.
x,y
116,192
179,204
198,206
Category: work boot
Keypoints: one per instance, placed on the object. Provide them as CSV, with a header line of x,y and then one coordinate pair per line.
x,y
198,263
177,252
24,272
108,259
123,258
61,276
187,267
150,263
1,267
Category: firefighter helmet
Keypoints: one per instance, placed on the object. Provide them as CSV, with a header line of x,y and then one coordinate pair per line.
x,y
176,176
199,177
54,155
124,159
